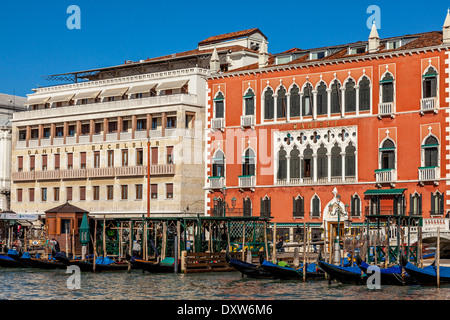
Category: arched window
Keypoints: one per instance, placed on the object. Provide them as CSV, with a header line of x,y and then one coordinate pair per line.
x,y
265,207
322,98
281,103
431,152
387,88
282,164
429,83
415,203
268,104
307,162
437,203
350,161
219,105
350,96
364,94
388,154
315,207
322,162
247,207
294,163
298,207
249,103
219,208
336,161
307,100
294,101
335,97
248,163
218,166
355,206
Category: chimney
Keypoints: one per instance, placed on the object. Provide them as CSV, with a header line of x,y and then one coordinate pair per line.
x,y
214,63
263,57
374,39
446,29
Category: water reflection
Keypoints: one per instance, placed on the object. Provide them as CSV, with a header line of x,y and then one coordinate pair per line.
x,y
30,284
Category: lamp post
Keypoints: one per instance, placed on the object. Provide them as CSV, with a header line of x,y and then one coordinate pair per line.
x,y
225,205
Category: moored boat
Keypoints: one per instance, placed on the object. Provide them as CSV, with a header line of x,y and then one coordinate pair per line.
x,y
167,265
426,276
248,269
101,264
36,262
8,262
346,275
287,273
388,276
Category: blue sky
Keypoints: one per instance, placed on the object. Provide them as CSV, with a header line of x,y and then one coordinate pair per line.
x,y
36,42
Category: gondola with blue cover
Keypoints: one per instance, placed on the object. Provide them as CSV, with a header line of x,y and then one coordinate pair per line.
x,y
8,262
37,262
101,263
285,272
167,265
388,276
247,269
426,276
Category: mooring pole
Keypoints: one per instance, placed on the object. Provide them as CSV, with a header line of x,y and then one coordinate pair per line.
x,y
438,256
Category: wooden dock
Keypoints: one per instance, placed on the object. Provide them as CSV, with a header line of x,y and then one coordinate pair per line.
x,y
206,262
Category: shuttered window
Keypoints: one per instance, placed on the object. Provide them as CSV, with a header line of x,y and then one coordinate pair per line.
x,y
268,104
19,195
70,161
32,163
20,164
315,213
265,207
298,209
350,96
57,161
322,163
437,203
387,88
322,99
44,162
154,191
307,100
282,164
69,193
294,102
31,194
364,94
247,207
82,193
430,83
169,151
294,163
83,160
249,103
154,155
355,206
110,158
281,103
336,97
219,105
169,190
350,161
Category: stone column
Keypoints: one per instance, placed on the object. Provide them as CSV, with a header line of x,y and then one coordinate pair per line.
x,y
342,102
105,128
133,125
314,166
343,165
314,92
119,126
329,166
78,131
328,102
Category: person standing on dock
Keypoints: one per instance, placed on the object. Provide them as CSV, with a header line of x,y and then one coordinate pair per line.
x,y
136,248
56,247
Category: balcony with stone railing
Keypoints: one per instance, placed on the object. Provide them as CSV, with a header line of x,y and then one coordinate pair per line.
x,y
386,109
216,182
247,182
386,176
429,174
108,172
217,123
428,104
247,121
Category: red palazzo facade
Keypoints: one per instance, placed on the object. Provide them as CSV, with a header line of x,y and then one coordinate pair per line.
x,y
361,128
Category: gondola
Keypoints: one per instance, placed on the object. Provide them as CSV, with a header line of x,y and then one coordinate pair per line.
x,y
426,276
165,266
288,273
388,276
36,262
13,254
247,269
8,262
101,264
346,275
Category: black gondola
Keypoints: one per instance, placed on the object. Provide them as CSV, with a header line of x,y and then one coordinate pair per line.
x,y
88,265
165,266
248,269
34,262
13,254
388,276
347,275
288,273
8,262
426,276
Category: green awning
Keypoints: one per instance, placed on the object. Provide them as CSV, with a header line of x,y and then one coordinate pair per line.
x,y
379,192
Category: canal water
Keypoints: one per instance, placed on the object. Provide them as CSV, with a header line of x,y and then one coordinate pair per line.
x,y
34,284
